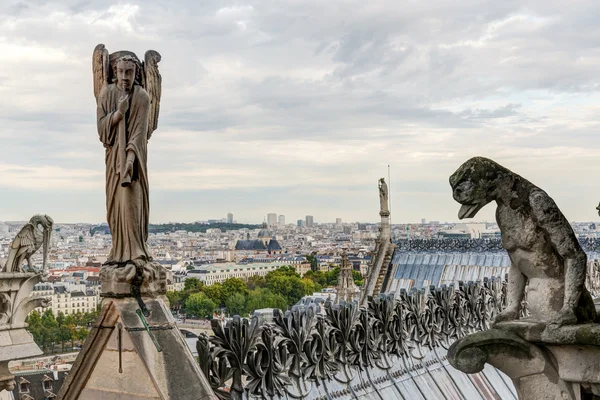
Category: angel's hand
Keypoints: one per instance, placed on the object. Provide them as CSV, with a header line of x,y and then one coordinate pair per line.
x,y
123,106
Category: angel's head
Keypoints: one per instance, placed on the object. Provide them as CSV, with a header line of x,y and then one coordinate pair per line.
x,y
127,72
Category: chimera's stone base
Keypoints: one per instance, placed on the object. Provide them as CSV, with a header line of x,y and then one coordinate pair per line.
x,y
136,366
543,363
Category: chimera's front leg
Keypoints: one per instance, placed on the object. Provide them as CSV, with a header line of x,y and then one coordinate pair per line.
x,y
575,269
515,294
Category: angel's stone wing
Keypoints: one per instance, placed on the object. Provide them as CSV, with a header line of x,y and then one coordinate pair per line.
x,y
100,67
153,85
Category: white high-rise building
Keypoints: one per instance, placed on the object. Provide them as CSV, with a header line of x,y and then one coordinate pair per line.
x,y
281,220
338,222
309,221
4,230
229,218
271,219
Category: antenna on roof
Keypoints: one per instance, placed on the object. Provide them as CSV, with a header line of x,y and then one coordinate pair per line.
x,y
390,193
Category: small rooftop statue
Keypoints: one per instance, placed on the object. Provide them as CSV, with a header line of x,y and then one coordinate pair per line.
x,y
383,196
16,299
543,248
29,240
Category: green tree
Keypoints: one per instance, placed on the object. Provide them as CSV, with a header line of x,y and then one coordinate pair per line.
x,y
317,277
236,304
64,335
50,330
174,299
82,334
314,263
34,319
192,284
232,286
286,270
198,304
255,282
287,282
264,298
214,292
60,318
333,276
358,278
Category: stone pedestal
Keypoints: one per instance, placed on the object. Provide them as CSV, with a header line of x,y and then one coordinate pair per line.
x,y
15,304
130,355
544,363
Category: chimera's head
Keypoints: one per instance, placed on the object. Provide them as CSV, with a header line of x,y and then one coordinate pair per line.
x,y
474,184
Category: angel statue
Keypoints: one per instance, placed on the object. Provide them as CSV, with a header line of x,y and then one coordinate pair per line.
x,y
383,196
128,98
29,240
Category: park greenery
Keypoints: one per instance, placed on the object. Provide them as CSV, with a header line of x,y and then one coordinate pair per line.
x,y
281,289
51,332
173,227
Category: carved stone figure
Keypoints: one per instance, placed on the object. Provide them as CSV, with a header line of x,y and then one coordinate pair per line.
x,y
29,240
383,196
384,249
16,298
542,246
154,359
128,95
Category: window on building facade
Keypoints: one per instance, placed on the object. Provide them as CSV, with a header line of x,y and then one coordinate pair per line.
x,y
24,387
47,384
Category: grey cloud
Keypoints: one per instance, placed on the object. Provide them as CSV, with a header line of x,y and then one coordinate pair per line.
x,y
421,86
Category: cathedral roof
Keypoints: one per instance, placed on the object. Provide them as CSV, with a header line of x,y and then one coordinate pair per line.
x,y
264,232
274,245
252,244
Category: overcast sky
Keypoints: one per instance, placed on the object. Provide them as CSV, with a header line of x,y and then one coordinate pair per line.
x,y
297,107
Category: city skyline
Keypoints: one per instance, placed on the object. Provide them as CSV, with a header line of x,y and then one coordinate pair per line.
x,y
267,108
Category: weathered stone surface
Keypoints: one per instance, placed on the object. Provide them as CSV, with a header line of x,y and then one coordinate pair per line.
x,y
29,240
117,280
128,94
384,249
346,289
543,248
156,363
562,368
554,353
15,304
134,351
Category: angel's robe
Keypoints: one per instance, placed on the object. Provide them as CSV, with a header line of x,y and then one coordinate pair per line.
x,y
128,207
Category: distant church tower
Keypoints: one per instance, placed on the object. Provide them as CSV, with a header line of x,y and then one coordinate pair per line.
x,y
264,235
346,290
384,249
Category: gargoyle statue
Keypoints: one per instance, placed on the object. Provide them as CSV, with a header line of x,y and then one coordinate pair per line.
x,y
29,240
542,246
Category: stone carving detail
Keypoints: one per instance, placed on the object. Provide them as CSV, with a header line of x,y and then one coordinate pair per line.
x,y
471,245
128,93
307,345
543,248
384,197
29,240
346,289
449,245
16,301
